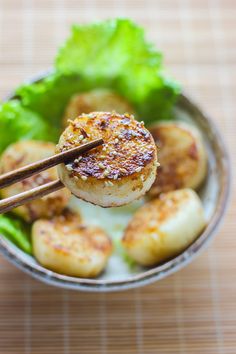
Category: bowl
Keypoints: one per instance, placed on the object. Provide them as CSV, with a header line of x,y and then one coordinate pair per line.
x,y
214,194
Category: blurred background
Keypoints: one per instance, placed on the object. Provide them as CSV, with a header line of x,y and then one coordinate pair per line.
x,y
193,311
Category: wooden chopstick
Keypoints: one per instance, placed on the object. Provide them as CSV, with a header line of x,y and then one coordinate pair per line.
x,y
24,172
39,166
12,202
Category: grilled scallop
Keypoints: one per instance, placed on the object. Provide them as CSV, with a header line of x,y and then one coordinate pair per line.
x,y
68,247
21,154
118,172
95,100
164,227
182,157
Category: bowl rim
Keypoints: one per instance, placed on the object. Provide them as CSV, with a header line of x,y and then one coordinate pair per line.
x,y
147,276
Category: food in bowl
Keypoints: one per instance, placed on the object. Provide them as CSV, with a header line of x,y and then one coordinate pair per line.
x,y
132,70
117,173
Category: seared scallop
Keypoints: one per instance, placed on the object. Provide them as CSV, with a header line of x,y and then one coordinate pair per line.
x,y
121,170
23,153
66,246
164,227
182,157
96,100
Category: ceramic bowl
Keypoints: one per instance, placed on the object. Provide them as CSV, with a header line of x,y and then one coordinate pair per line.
x,y
214,195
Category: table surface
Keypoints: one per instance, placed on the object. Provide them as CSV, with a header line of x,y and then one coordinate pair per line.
x,y
192,311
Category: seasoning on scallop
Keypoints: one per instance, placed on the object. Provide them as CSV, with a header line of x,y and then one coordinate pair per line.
x,y
23,153
182,157
65,245
121,170
164,227
95,100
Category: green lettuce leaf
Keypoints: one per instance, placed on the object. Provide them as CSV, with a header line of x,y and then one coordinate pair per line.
x,y
106,48
115,53
19,123
49,96
16,231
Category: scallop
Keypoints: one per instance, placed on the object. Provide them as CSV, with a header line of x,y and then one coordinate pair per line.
x,y
182,157
66,246
23,153
164,227
95,100
121,170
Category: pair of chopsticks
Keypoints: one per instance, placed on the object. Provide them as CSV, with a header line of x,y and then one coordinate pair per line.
x,y
20,174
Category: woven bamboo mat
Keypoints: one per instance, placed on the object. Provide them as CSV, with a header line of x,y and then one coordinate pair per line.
x,y
193,311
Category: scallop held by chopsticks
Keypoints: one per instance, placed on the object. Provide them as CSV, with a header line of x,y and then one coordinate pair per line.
x,y
164,227
95,100
118,172
68,247
182,157
21,154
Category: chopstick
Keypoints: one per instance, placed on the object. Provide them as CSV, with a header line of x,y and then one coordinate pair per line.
x,y
24,172
12,202
34,168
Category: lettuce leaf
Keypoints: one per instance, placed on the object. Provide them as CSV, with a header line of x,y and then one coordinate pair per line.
x,y
49,96
19,123
116,51
105,49
16,231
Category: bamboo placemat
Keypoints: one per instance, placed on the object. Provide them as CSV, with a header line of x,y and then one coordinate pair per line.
x,y
193,311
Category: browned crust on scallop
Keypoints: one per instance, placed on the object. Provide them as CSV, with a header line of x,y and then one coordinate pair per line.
x,y
128,145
